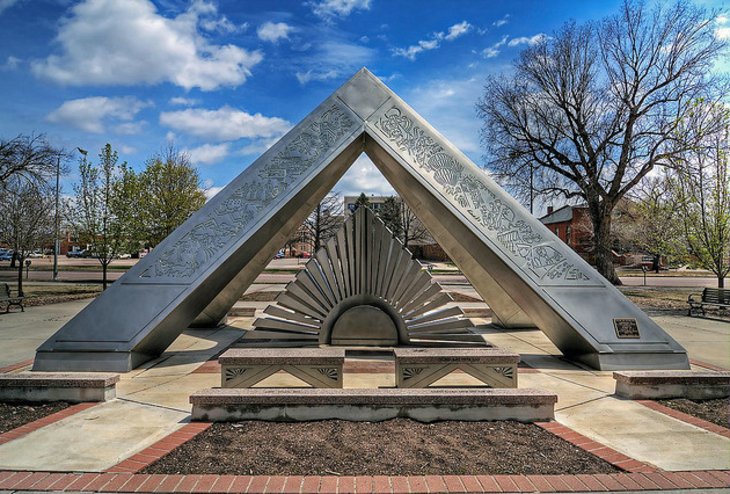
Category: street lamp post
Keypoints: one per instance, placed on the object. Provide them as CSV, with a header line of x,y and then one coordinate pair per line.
x,y
56,243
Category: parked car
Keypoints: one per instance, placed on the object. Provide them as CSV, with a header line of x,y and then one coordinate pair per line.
x,y
6,256
124,256
35,254
77,253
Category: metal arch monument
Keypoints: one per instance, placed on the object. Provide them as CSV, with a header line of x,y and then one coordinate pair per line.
x,y
526,274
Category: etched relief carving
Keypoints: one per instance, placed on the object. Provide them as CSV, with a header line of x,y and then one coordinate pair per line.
x,y
229,220
411,372
328,372
472,194
234,372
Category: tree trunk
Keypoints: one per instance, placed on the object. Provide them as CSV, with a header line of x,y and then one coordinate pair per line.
x,y
103,276
20,277
601,218
720,281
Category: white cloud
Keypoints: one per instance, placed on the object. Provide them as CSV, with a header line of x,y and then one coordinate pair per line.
x,y
258,146
170,137
528,40
91,114
458,30
224,124
338,8
210,192
108,42
363,176
208,154
501,22
723,30
274,31
11,63
333,59
434,41
127,149
6,4
493,51
130,128
181,101
448,105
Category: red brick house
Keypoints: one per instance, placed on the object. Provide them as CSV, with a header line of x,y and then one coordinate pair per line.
x,y
572,225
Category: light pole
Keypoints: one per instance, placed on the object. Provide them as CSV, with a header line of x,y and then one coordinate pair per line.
x,y
56,243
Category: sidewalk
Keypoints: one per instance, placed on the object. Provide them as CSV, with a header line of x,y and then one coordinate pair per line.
x,y
153,400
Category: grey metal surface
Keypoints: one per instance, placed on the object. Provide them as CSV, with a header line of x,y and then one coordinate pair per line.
x,y
520,268
366,315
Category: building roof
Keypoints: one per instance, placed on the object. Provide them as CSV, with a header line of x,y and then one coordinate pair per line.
x,y
561,215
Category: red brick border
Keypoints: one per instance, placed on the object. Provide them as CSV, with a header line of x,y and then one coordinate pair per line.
x,y
16,366
49,419
147,456
602,451
707,365
698,422
126,482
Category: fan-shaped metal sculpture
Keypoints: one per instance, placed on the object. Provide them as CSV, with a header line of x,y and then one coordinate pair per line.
x,y
363,288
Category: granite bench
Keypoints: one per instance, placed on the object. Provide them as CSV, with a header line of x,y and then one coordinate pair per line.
x,y
372,405
420,367
667,384
319,367
73,387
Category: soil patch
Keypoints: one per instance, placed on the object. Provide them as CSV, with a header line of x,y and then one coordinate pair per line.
x,y
13,415
393,447
715,411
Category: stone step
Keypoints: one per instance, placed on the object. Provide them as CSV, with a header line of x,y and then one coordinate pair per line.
x,y
668,384
372,405
73,387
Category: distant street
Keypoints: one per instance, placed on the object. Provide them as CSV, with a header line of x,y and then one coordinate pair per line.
x,y
85,270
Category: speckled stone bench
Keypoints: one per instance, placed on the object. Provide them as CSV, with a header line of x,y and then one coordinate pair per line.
x,y
74,387
653,385
372,405
319,367
420,367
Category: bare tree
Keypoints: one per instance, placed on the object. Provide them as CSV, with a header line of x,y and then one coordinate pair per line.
x,y
594,108
701,189
26,219
323,223
28,157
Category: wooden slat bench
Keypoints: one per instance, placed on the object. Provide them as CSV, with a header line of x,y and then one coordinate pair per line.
x,y
668,384
319,367
420,367
372,405
58,386
9,300
711,297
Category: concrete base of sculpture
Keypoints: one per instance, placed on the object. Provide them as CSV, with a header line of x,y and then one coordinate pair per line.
x,y
372,405
56,386
664,385
118,361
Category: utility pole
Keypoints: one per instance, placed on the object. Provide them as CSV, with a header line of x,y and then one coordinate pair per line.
x,y
56,243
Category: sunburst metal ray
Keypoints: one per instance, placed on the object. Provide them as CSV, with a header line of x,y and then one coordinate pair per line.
x,y
365,265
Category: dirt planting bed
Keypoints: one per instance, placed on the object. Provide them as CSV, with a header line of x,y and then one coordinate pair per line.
x,y
394,447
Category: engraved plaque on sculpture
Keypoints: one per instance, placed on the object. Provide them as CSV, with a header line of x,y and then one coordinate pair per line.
x,y
626,328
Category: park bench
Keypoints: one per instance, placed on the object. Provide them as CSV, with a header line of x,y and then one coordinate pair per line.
x,y
668,384
420,367
372,404
711,297
7,298
319,367
73,387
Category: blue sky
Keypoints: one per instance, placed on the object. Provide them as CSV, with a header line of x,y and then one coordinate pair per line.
x,y
224,79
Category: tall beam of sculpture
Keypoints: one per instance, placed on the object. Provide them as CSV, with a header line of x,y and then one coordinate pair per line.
x,y
525,273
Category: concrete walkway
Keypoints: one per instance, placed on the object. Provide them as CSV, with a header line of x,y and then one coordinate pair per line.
x,y
153,400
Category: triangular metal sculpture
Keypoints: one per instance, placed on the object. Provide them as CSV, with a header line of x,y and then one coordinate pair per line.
x,y
525,273
362,288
